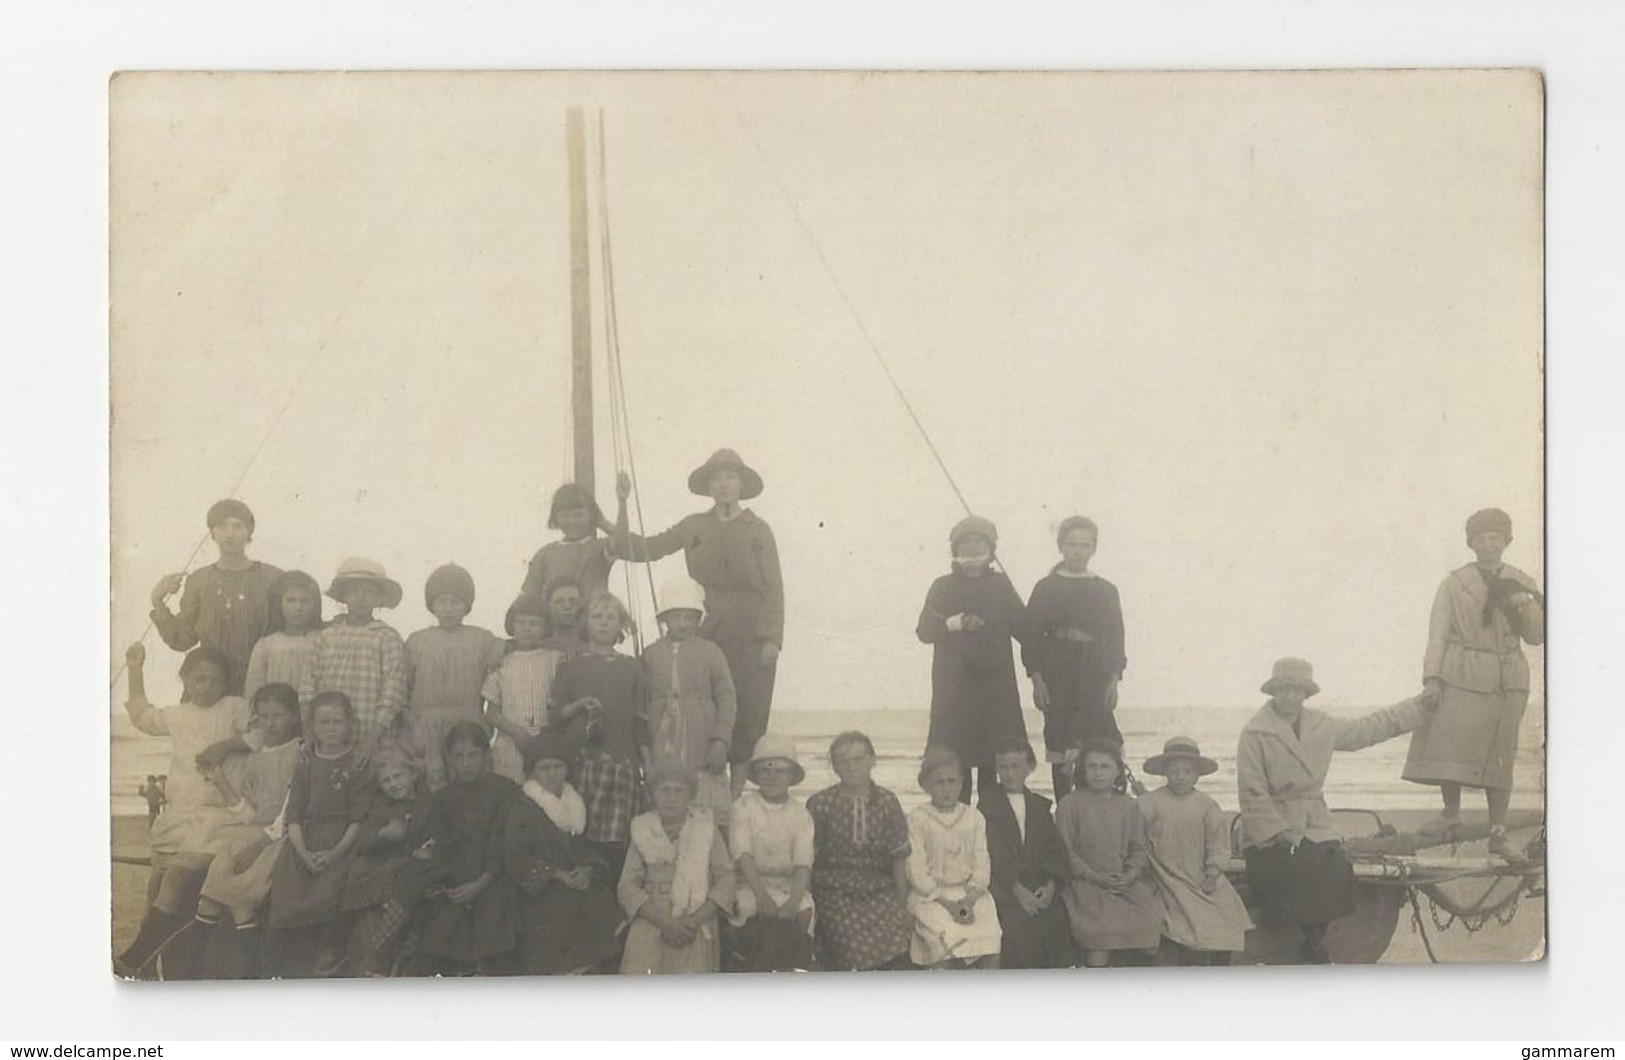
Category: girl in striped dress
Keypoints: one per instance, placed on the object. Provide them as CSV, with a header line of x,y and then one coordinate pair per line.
x,y
286,655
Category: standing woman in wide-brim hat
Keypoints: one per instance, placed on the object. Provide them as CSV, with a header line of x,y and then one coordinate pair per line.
x,y
1483,615
731,552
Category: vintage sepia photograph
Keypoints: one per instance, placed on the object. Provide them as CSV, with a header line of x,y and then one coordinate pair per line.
x,y
630,523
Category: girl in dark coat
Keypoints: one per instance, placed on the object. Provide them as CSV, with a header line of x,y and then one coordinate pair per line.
x,y
1030,868
468,923
969,618
567,914
1075,656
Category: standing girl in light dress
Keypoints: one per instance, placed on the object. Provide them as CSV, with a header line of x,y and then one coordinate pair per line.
x,y
677,880
691,695
1203,918
948,872
363,656
1115,916
287,653
517,691
446,666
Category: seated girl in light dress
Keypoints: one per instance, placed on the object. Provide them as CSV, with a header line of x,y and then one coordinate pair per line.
x,y
676,880
772,842
949,871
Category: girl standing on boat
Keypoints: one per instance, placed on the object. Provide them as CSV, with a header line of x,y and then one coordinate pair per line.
x,y
1483,614
1114,913
287,653
445,669
1297,870
226,606
580,554
731,552
1075,657
969,618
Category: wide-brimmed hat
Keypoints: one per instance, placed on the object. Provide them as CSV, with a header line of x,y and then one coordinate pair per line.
x,y
1180,747
356,569
973,525
779,747
1489,519
449,580
750,483
1290,673
681,594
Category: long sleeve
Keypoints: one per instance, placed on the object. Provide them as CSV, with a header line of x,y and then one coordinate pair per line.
x,y
1258,810
723,694
254,678
933,624
298,793
1033,620
982,870
1003,869
180,631
392,696
1379,725
1116,649
1216,834
629,891
1015,613
1067,820
770,626
1052,858
494,830
146,717
1439,621
722,874
920,879
639,549
1139,853
313,676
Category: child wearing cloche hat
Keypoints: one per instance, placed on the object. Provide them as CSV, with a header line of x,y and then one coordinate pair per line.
x,y
771,839
1204,920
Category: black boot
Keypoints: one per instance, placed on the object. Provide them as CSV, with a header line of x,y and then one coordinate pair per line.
x,y
157,929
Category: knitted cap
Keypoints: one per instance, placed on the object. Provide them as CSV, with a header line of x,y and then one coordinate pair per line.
x,y
1489,519
229,508
973,525
449,580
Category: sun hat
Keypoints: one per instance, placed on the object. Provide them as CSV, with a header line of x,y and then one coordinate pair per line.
x,y
357,569
668,768
681,594
1180,747
230,508
973,525
750,483
533,604
1290,673
780,747
449,580
1489,519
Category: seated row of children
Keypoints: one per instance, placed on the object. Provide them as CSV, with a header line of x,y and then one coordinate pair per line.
x,y
355,867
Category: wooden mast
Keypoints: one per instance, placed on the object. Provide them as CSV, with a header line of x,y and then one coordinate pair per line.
x,y
580,304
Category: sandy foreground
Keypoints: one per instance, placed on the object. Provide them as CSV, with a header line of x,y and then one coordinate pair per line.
x,y
1524,938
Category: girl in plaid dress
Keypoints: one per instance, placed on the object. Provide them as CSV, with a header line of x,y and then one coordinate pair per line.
x,y
598,699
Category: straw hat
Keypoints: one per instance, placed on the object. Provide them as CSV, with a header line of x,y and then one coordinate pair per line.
x,y
1180,747
750,483
779,747
681,594
1290,673
356,569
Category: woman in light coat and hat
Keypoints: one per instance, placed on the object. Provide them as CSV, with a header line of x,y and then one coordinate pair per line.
x,y
1298,873
731,552
1203,918
1483,615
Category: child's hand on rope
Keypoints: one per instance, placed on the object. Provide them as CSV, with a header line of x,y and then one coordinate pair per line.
x,y
623,486
167,586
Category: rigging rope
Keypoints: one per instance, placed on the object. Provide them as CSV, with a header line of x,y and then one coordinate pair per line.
x,y
298,384
620,420
852,309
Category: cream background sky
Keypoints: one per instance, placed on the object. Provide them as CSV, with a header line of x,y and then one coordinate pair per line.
x,y
1278,334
